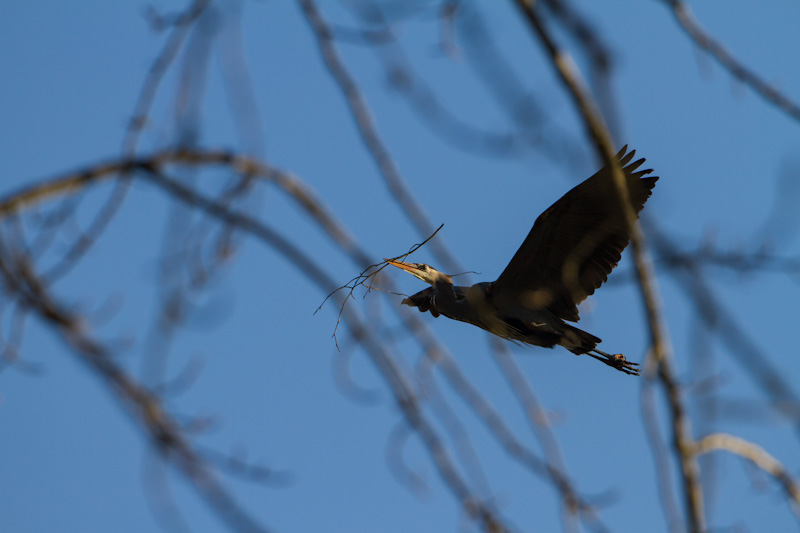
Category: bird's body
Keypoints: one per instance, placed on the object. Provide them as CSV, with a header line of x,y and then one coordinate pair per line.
x,y
569,252
529,325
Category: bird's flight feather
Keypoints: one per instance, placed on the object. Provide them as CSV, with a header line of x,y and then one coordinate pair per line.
x,y
575,244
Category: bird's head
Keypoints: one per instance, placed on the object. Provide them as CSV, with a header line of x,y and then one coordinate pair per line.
x,y
426,273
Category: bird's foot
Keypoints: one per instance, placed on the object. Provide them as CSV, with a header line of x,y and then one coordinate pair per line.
x,y
617,361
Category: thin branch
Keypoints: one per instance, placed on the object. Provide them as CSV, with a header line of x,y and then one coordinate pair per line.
x,y
683,14
756,455
462,442
572,505
182,23
164,433
365,276
742,346
429,107
401,470
369,133
500,430
598,53
238,466
661,455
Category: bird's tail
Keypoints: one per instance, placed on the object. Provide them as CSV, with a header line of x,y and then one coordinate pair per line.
x,y
578,341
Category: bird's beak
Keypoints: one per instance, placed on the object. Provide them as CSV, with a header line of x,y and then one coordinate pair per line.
x,y
408,267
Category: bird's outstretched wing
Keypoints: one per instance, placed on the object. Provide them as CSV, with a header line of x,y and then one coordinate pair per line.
x,y
574,244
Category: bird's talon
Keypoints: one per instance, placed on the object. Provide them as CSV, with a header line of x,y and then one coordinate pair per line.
x,y
619,362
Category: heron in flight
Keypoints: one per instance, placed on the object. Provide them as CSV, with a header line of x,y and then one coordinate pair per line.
x,y
570,251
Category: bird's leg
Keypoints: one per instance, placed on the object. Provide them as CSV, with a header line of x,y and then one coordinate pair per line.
x,y
617,361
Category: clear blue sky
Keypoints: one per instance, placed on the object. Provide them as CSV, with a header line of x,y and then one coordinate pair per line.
x,y
72,460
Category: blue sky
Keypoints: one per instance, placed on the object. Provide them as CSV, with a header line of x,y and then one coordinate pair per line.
x,y
72,458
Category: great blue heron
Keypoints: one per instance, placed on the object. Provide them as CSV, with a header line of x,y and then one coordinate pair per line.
x,y
569,252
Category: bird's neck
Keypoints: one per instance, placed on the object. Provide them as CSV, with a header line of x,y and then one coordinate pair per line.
x,y
445,288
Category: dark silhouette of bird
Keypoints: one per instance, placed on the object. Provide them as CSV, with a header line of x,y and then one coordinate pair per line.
x,y
570,251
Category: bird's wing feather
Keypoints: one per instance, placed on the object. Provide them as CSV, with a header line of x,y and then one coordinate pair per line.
x,y
424,300
575,244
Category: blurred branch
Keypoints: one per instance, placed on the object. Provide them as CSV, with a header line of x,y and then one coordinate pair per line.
x,y
403,392
369,133
447,414
593,45
11,344
598,53
573,503
735,260
238,466
538,420
554,468
191,37
182,23
402,472
661,454
746,350
423,99
756,455
151,170
596,130
738,70
241,93
508,88
163,431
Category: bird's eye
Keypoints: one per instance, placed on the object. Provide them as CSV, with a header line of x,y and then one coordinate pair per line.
x,y
422,267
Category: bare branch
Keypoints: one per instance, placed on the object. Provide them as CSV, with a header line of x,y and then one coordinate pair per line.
x,y
163,431
742,346
182,24
683,14
369,133
572,504
756,455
